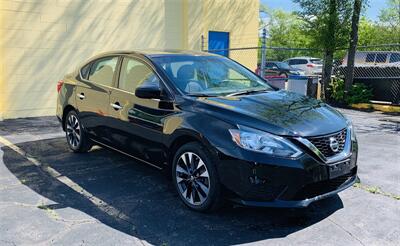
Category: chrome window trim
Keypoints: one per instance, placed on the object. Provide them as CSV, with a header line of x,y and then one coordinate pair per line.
x,y
346,153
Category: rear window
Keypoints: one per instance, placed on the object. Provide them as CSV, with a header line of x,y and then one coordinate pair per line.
x,y
380,58
316,61
394,58
102,71
370,57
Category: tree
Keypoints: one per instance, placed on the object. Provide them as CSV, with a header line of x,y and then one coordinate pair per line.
x,y
353,45
328,23
390,17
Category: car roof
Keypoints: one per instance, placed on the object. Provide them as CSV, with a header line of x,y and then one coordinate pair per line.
x,y
304,57
156,52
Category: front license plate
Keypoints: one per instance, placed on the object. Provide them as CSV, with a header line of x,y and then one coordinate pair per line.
x,y
339,169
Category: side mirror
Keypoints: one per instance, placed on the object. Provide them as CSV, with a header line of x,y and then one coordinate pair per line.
x,y
148,92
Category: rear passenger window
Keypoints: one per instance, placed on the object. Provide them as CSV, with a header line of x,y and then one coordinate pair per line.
x,y
292,62
85,71
380,58
135,73
302,61
370,57
102,70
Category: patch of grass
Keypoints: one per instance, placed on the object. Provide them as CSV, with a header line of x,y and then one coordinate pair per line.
x,y
376,190
50,211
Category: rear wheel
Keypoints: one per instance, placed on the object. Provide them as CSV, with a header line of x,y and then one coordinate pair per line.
x,y
195,178
284,75
76,137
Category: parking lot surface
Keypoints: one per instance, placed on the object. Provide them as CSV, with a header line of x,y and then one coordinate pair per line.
x,y
51,196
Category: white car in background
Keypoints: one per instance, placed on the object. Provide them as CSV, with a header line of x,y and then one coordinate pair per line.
x,y
311,65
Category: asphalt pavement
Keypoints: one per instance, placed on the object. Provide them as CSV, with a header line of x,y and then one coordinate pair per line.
x,y
51,196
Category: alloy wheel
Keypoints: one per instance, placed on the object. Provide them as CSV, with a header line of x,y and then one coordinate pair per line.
x,y
73,131
192,178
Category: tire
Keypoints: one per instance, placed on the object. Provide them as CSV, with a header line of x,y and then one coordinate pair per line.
x,y
75,134
283,75
200,179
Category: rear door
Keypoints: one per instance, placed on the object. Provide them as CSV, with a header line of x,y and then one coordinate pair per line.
x,y
138,123
93,92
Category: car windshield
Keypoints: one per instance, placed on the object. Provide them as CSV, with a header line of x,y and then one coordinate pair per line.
x,y
209,75
284,65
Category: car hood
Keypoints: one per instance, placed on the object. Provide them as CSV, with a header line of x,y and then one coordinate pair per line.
x,y
279,112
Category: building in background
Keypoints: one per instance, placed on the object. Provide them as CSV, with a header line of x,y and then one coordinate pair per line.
x,y
41,40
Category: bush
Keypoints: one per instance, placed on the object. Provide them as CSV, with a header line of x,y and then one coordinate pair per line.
x,y
359,93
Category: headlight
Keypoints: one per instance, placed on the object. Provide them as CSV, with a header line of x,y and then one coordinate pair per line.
x,y
351,128
264,142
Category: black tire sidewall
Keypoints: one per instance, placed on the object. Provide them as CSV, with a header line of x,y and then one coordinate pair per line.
x,y
214,196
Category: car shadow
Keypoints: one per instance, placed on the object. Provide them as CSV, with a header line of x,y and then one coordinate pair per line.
x,y
151,208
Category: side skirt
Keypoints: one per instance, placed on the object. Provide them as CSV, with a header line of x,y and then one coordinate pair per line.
x,y
134,157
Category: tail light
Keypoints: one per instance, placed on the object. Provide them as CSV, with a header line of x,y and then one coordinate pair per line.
x,y
310,65
59,85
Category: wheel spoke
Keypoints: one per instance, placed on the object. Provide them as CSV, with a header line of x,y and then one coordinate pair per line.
x,y
179,169
204,174
180,180
192,178
202,187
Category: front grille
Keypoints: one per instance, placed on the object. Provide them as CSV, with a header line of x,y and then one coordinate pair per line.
x,y
322,187
323,143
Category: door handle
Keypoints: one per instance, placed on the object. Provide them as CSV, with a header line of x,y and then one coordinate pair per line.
x,y
116,106
81,96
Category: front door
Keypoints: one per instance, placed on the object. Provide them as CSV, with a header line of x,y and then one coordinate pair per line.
x,y
218,43
138,123
93,95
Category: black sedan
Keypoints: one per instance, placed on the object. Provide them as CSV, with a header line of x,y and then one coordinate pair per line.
x,y
275,69
223,132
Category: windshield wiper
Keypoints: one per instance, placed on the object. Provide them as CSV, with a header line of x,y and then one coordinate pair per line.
x,y
200,95
246,92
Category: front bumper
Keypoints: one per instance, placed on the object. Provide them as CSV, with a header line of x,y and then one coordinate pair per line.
x,y
275,182
298,203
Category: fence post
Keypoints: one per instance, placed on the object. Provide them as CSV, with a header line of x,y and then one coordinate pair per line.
x,y
202,42
263,52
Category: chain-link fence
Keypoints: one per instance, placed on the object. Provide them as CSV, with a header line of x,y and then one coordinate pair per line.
x,y
376,66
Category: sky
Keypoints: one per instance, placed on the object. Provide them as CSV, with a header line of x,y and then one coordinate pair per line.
x,y
371,13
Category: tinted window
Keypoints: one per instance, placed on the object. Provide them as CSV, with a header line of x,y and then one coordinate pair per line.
x,y
102,71
380,58
395,57
292,62
370,58
269,65
135,73
316,61
302,61
85,71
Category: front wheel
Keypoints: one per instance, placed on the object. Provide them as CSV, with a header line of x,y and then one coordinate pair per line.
x,y
76,137
195,178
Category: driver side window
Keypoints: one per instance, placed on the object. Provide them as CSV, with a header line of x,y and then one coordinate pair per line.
x,y
135,73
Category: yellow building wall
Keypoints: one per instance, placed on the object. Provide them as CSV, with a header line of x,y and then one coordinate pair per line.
x,y
41,40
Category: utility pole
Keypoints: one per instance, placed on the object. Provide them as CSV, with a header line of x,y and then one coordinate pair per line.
x,y
263,52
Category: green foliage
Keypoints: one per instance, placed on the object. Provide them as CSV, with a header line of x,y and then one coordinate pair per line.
x,y
359,93
327,22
